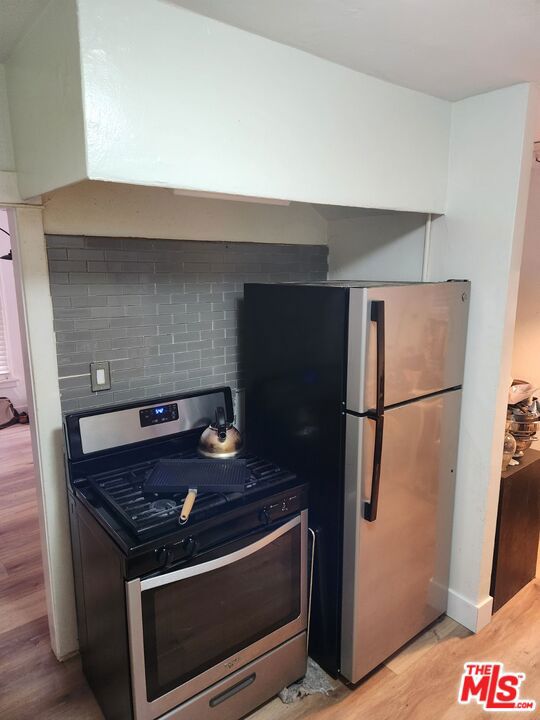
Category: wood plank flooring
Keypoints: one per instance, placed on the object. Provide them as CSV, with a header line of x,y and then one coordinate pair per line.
x,y
33,684
419,683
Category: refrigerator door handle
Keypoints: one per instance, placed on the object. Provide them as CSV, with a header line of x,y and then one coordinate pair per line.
x,y
377,415
377,316
370,508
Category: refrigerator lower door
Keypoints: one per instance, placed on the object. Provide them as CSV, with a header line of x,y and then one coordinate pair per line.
x,y
424,330
395,569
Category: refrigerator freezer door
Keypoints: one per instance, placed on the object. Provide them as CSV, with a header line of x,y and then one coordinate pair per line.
x,y
425,328
395,569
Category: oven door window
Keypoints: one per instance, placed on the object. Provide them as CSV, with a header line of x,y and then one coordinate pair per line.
x,y
193,623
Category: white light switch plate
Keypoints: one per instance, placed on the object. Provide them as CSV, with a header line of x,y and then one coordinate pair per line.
x,y
100,376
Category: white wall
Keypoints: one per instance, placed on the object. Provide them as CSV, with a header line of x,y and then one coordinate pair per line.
x,y
526,357
377,247
9,191
481,239
174,98
41,372
7,162
14,388
112,209
44,92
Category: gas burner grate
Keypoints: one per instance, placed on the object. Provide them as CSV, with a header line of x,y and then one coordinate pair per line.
x,y
151,514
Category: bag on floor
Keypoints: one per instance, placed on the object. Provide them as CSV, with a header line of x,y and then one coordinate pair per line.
x,y
8,414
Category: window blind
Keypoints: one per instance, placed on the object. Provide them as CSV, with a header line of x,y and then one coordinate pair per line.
x,y
4,367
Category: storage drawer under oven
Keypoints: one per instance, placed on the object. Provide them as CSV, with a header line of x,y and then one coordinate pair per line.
x,y
190,628
249,687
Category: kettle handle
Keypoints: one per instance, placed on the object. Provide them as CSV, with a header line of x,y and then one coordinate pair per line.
x,y
221,424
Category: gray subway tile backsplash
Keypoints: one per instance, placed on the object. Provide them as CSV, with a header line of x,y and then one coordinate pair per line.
x,y
165,313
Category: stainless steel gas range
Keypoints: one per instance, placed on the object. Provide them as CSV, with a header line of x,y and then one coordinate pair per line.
x,y
196,621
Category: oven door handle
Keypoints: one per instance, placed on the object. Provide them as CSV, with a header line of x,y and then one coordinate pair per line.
x,y
233,557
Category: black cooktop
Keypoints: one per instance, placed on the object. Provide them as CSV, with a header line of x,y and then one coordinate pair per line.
x,y
149,515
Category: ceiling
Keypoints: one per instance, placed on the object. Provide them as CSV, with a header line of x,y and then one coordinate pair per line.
x,y
447,48
15,16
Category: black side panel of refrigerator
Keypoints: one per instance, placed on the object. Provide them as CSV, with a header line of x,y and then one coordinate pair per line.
x,y
294,350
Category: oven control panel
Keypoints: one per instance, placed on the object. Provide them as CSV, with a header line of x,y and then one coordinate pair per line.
x,y
158,414
283,507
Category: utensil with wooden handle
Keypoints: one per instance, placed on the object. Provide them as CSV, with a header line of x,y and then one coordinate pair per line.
x,y
189,502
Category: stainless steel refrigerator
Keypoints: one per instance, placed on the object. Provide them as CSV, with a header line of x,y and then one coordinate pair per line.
x,y
357,386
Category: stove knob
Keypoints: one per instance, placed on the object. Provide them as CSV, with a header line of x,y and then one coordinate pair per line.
x,y
189,544
163,555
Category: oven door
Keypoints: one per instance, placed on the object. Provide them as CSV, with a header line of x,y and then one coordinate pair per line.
x,y
191,627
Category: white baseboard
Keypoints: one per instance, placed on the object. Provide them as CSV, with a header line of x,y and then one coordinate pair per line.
x,y
473,616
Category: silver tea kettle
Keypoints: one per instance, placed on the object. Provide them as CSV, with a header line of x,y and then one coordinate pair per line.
x,y
221,439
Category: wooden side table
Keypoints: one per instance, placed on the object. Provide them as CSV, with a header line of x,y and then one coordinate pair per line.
x,y
518,529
